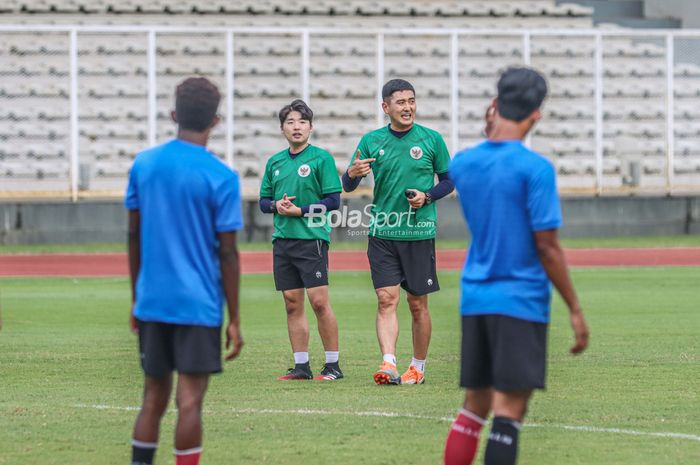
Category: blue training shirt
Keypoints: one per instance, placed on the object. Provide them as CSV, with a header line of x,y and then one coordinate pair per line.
x,y
185,196
507,192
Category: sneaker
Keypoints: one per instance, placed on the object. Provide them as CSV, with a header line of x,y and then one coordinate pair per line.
x,y
412,376
387,374
330,372
297,373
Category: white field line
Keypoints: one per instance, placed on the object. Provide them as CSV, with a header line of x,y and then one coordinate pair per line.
x,y
588,429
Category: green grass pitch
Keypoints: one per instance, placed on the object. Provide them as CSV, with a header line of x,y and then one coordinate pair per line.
x,y
69,379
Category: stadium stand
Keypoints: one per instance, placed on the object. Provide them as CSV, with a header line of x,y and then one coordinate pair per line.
x,y
113,81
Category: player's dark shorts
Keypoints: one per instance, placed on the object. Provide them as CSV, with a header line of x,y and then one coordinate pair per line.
x,y
188,349
300,263
409,263
507,353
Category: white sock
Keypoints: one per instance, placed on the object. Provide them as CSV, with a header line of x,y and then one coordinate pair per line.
x,y
419,364
331,357
194,450
391,358
301,357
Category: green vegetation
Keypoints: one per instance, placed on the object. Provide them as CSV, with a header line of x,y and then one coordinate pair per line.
x,y
595,242
65,350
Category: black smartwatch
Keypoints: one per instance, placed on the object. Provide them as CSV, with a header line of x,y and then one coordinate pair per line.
x,y
428,198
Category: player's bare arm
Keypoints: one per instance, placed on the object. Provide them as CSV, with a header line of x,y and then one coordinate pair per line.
x,y
134,229
231,279
553,260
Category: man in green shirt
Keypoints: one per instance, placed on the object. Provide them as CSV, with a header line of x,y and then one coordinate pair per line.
x,y
404,158
297,180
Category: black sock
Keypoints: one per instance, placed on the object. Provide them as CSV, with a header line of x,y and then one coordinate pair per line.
x,y
502,446
142,455
303,366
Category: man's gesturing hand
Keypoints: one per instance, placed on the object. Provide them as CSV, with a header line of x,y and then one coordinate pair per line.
x,y
360,168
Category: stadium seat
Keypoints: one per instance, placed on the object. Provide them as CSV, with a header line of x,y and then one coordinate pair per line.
x,y
563,47
112,168
630,145
490,46
612,166
634,69
565,69
483,69
572,88
17,169
259,107
569,110
686,70
575,166
52,169
124,6
686,88
687,147
361,108
284,88
627,48
565,129
653,165
476,88
348,88
467,129
207,46
639,130
686,164
640,88
686,129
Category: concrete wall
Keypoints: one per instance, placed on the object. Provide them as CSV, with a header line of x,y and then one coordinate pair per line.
x,y
87,221
62,222
688,11
634,13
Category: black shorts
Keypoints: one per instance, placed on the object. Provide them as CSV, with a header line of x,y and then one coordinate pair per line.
x,y
300,263
189,349
505,353
409,263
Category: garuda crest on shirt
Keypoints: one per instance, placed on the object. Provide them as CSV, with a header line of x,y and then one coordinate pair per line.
x,y
304,171
416,152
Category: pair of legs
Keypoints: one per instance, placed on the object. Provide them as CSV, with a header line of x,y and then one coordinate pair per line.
x,y
509,409
298,324
388,322
510,404
409,264
189,397
503,361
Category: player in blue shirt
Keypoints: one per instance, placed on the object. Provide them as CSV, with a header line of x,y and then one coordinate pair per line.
x,y
509,198
184,210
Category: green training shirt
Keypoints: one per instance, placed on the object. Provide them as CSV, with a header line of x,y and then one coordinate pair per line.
x,y
409,162
310,176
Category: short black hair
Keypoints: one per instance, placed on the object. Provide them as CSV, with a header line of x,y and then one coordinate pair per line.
x,y
196,103
297,105
396,85
520,92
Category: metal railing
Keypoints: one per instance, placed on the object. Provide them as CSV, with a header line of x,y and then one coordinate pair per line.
x,y
456,70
